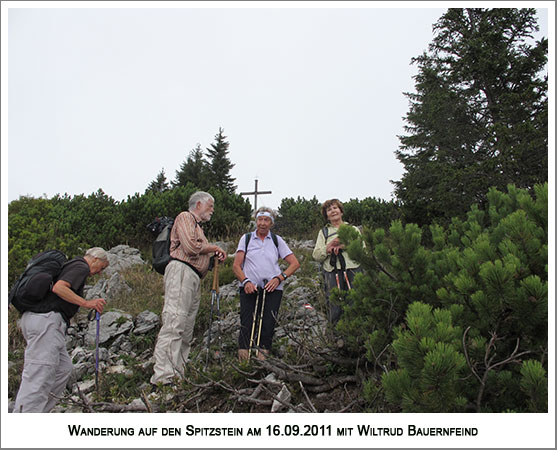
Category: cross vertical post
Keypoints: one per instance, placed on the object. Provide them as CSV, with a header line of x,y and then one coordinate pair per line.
x,y
255,193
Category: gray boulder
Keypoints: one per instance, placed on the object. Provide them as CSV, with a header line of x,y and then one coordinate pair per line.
x,y
122,257
145,322
107,288
228,291
284,395
112,324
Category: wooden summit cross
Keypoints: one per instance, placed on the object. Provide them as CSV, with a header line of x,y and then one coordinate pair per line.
x,y
255,193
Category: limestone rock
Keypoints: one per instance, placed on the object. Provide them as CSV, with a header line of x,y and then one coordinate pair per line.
x,y
112,324
122,257
145,322
283,395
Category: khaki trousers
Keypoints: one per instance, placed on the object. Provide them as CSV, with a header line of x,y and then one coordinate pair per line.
x,y
47,366
181,303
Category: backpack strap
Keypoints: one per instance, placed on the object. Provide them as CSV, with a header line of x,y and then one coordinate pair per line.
x,y
342,261
333,261
194,218
248,237
326,234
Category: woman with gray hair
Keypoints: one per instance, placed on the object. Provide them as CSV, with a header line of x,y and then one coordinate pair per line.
x,y
257,269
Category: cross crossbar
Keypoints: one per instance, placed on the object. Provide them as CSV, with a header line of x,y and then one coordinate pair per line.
x,y
255,193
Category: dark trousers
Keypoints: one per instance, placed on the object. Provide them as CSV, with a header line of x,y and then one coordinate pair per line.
x,y
335,306
270,314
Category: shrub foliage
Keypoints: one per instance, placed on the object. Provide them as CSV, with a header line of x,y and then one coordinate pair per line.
x,y
73,224
456,324
302,218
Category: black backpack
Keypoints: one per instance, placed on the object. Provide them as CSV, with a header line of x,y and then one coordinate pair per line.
x,y
161,247
37,279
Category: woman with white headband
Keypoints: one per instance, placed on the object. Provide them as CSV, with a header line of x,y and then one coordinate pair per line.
x,y
256,267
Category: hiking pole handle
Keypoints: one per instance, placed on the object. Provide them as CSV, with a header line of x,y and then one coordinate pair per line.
x,y
333,260
93,314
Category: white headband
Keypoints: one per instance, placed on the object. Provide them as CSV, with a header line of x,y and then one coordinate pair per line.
x,y
266,214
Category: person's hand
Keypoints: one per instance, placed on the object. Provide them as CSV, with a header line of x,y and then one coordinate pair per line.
x,y
249,287
334,246
272,284
96,304
335,249
221,254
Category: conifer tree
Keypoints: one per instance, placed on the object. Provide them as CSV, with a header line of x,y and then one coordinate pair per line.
x,y
219,165
478,117
159,184
193,170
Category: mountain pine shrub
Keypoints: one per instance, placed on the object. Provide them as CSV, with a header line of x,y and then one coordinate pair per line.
x,y
431,365
450,323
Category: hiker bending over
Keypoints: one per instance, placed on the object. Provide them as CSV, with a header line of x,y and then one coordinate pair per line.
x,y
256,260
190,252
47,365
330,252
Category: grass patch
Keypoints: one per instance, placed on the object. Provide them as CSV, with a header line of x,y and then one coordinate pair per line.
x,y
147,291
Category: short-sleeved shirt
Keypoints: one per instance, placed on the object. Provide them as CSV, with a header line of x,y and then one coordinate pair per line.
x,y
261,260
75,272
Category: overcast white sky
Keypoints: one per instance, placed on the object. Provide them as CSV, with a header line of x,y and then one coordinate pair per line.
x,y
311,100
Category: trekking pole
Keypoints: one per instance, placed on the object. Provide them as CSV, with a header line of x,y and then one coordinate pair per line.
x,y
333,262
213,295
343,268
218,328
209,332
217,298
261,315
97,315
98,319
253,320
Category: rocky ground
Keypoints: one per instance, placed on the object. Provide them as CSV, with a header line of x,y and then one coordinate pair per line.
x,y
307,371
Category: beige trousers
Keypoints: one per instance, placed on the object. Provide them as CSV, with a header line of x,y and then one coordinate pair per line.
x,y
47,366
181,303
